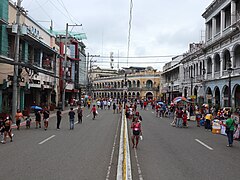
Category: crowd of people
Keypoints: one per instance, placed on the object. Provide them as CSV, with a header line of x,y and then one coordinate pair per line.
x,y
181,113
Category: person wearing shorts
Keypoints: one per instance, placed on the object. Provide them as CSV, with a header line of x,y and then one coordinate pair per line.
x,y
19,117
136,128
7,129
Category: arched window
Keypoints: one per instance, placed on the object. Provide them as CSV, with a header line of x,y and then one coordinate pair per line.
x,y
149,84
217,63
138,83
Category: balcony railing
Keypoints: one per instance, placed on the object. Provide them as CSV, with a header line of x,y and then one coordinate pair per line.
x,y
209,76
217,75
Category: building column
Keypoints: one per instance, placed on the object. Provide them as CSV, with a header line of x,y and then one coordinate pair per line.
x,y
213,68
204,67
214,24
233,12
222,27
207,32
40,61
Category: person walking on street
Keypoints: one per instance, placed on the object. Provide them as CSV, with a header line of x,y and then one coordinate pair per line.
x,y
208,119
46,114
114,108
18,117
94,110
80,114
137,131
38,119
179,114
198,117
229,130
59,118
71,118
7,129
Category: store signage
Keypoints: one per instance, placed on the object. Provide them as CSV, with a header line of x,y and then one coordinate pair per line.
x,y
33,31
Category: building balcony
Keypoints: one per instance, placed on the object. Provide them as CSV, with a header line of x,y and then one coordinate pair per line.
x,y
209,76
217,75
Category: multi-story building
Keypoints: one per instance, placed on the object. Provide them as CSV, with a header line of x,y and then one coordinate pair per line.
x,y
141,84
212,70
37,60
171,80
75,67
41,55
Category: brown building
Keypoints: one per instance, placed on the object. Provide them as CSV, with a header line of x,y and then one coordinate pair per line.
x,y
141,83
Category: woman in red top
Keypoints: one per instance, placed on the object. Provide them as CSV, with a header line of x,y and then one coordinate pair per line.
x,y
94,111
136,127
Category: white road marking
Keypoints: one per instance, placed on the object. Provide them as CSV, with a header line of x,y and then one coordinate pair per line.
x,y
138,166
152,112
113,150
76,122
88,115
204,144
45,140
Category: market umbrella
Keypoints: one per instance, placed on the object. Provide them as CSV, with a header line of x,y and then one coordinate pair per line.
x,y
36,107
178,99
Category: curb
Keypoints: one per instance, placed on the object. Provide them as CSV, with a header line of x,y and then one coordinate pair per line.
x,y
124,163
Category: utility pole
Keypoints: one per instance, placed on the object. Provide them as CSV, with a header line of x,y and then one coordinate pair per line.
x,y
64,65
15,103
89,71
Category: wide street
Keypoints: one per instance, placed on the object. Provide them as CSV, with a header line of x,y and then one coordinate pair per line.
x,y
90,151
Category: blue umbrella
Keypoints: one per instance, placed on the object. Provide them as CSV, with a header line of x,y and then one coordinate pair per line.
x,y
160,103
36,107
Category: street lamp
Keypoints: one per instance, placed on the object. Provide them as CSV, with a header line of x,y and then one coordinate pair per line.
x,y
172,90
230,70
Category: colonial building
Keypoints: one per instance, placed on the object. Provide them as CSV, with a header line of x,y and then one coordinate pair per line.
x,y
213,68
142,84
171,80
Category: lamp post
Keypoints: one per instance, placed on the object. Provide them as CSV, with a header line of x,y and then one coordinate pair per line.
x,y
230,70
172,91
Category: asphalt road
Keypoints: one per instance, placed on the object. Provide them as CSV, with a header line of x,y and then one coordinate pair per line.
x,y
169,153
83,153
90,151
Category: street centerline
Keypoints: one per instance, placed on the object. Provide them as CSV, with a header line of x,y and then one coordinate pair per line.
x,y
45,140
204,144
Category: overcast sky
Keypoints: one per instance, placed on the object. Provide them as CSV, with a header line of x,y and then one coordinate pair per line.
x,y
158,27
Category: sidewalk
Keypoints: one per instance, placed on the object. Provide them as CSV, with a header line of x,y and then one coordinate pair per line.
x,y
52,114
